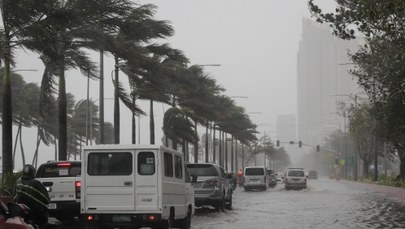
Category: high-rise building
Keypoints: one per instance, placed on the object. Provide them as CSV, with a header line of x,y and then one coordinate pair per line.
x,y
322,79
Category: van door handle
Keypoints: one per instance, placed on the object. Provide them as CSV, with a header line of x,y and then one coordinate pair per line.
x,y
128,183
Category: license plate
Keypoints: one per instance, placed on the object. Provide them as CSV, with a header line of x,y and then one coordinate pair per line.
x,y
121,218
254,181
52,206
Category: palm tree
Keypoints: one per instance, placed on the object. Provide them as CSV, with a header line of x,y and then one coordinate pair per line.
x,y
128,46
78,123
18,16
62,36
26,103
199,91
155,81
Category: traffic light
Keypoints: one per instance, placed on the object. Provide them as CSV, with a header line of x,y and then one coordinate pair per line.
x,y
278,143
318,148
300,144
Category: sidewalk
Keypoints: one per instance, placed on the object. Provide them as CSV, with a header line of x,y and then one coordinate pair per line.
x,y
395,193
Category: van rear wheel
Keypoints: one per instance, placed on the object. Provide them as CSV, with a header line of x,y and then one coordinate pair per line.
x,y
186,222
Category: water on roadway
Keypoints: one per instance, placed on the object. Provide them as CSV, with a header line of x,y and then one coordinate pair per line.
x,y
324,204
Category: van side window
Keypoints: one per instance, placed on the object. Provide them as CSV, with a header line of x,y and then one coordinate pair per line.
x,y
110,164
146,163
168,163
178,167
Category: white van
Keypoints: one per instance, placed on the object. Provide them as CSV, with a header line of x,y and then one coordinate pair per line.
x,y
255,177
135,186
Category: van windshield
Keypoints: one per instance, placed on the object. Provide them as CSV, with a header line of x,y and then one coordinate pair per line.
x,y
254,171
202,170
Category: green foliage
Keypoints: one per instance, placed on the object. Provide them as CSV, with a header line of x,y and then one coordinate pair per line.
x,y
8,182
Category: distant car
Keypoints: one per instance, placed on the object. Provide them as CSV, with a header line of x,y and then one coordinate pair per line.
x,y
313,174
295,179
211,185
256,177
279,177
272,178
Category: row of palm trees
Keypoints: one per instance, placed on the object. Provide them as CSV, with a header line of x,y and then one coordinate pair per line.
x,y
63,32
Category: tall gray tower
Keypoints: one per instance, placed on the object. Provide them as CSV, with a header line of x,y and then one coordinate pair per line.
x,y
322,76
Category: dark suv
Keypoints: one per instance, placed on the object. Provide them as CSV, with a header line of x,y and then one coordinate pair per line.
x,y
211,185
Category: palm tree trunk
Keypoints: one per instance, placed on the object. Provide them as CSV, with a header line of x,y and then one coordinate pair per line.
x,y
243,156
116,106
220,155
7,114
62,113
214,143
236,155
195,144
15,143
206,142
226,151
133,126
101,99
152,124
183,148
22,150
56,149
232,157
35,158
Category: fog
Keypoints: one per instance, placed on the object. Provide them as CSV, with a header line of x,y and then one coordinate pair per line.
x,y
255,42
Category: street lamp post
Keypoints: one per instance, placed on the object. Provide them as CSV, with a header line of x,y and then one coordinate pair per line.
x,y
355,170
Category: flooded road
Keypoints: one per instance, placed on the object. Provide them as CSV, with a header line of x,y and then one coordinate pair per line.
x,y
325,204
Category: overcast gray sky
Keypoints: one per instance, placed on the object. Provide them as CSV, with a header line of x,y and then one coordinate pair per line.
x,y
255,42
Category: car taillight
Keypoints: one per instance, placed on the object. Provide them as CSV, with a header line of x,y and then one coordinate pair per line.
x,y
90,218
64,164
212,182
78,185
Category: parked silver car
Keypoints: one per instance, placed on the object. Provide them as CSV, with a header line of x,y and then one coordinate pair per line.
x,y
295,178
211,185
